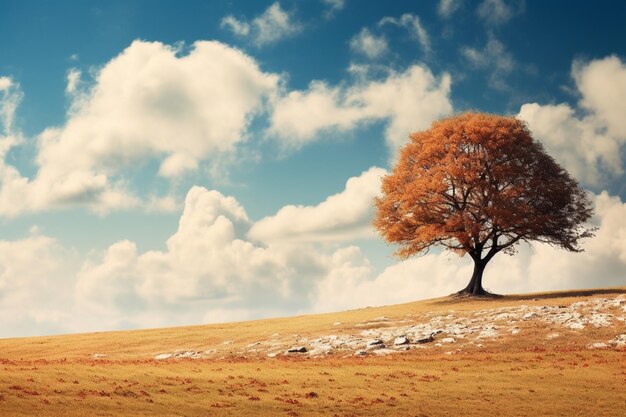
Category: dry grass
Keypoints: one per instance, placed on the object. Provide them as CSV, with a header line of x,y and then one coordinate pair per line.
x,y
531,376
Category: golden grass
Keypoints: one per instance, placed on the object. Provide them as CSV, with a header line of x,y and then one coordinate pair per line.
x,y
58,376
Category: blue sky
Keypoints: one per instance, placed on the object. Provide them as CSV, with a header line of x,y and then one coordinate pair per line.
x,y
168,163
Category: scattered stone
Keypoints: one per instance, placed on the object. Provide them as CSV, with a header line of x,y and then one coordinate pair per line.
x,y
447,340
600,320
360,353
163,356
552,336
619,341
185,354
297,349
515,330
488,332
530,316
598,346
428,339
99,355
375,344
402,340
576,325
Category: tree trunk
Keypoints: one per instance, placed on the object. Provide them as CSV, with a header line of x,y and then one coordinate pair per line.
x,y
475,286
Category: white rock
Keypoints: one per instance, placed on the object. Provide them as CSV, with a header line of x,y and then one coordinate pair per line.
x,y
402,340
163,356
447,340
575,325
488,331
530,316
598,346
619,341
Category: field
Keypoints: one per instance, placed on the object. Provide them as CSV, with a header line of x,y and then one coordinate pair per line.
x,y
527,355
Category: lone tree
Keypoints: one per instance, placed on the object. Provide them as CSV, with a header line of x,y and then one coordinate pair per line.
x,y
479,184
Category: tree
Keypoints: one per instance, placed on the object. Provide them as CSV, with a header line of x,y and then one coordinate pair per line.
x,y
479,184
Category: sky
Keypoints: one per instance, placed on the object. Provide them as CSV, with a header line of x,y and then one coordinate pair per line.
x,y
171,163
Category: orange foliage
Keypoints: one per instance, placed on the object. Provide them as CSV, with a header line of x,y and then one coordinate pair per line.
x,y
479,184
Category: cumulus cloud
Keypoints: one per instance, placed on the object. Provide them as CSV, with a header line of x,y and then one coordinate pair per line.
x,y
33,285
494,58
413,25
446,8
408,101
368,44
602,84
273,25
588,141
578,143
206,259
343,216
151,101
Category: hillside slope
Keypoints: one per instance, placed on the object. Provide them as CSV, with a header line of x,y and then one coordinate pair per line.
x,y
437,357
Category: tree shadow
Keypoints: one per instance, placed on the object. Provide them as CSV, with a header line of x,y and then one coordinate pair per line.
x,y
566,294
456,297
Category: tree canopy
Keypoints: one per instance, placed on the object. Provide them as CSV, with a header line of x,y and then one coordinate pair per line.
x,y
479,184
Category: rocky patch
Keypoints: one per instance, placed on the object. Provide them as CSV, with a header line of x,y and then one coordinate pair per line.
x,y
383,336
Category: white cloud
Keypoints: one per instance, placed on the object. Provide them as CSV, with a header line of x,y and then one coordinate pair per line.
x,y
207,268
73,79
602,84
10,98
151,101
446,8
368,44
238,27
273,25
577,143
495,58
5,83
34,295
587,141
323,108
341,217
409,101
335,6
204,259
413,25
498,12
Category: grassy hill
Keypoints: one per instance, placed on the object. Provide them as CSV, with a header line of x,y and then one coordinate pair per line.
x,y
534,354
